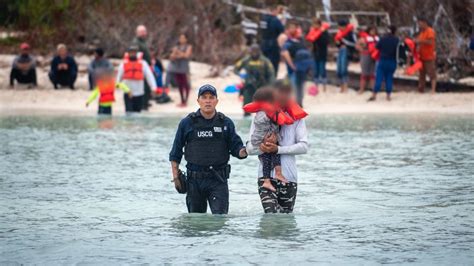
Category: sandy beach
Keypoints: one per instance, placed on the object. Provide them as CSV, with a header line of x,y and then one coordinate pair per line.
x,y
46,100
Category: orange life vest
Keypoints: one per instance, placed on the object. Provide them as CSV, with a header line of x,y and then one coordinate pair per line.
x,y
133,69
371,42
417,65
295,111
314,33
343,33
273,112
106,90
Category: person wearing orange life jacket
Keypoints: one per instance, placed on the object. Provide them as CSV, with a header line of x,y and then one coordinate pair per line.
x,y
133,72
368,56
319,36
105,90
345,40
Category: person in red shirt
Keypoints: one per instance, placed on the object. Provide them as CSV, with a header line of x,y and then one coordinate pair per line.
x,y
426,45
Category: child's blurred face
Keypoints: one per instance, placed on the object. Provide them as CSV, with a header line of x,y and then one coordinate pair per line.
x,y
372,31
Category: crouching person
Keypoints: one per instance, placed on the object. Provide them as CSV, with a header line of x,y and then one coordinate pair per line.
x,y
208,138
133,71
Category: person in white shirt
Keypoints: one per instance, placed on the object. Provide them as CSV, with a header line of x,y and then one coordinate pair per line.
x,y
293,141
133,72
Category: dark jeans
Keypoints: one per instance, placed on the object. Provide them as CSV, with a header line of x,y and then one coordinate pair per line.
x,y
385,70
320,76
105,110
183,86
283,200
63,78
271,50
298,78
23,78
134,104
202,190
343,65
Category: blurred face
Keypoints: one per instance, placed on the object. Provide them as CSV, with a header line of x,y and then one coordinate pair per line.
x,y
292,29
422,24
255,53
141,32
24,51
182,39
132,55
62,52
373,31
282,97
207,103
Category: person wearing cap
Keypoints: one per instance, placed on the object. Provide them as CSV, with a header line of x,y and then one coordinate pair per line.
x,y
23,68
259,73
99,63
63,70
133,72
206,138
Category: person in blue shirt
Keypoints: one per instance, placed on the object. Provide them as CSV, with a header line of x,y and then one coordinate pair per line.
x,y
271,27
206,138
63,69
388,47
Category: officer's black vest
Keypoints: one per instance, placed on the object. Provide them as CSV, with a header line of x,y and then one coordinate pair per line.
x,y
207,145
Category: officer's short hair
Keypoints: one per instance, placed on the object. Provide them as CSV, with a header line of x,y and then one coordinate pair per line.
x,y
264,94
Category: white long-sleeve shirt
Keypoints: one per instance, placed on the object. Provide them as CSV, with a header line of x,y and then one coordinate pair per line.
x,y
137,87
293,141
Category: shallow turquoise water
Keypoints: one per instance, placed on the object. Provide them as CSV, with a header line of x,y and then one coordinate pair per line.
x,y
373,189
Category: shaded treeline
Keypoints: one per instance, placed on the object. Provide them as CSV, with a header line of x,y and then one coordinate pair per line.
x,y
212,26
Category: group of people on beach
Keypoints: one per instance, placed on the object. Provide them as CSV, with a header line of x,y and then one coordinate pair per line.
x,y
303,54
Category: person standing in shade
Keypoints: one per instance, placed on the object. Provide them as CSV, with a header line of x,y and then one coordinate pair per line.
x,y
259,72
365,45
207,138
320,53
179,66
63,70
298,58
388,47
271,28
345,41
23,68
100,63
426,45
141,35
133,72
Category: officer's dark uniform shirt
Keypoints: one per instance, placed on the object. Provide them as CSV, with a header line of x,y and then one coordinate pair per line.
x,y
204,137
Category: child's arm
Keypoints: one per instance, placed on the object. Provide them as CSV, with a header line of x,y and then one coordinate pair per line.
x,y
122,86
92,96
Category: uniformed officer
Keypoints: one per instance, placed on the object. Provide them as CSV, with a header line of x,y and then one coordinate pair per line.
x,y
208,138
259,72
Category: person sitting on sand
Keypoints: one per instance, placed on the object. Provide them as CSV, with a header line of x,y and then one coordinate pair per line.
x,y
105,89
133,71
265,123
63,69
99,62
24,68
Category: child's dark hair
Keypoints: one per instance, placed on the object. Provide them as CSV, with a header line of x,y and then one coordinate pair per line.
x,y
264,94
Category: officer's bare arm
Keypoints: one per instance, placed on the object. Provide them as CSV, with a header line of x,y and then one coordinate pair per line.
x,y
175,169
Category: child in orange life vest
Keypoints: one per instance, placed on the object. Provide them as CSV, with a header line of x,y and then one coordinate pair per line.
x,y
105,89
267,123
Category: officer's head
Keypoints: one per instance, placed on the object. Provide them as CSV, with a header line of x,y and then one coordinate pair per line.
x,y
283,92
207,99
